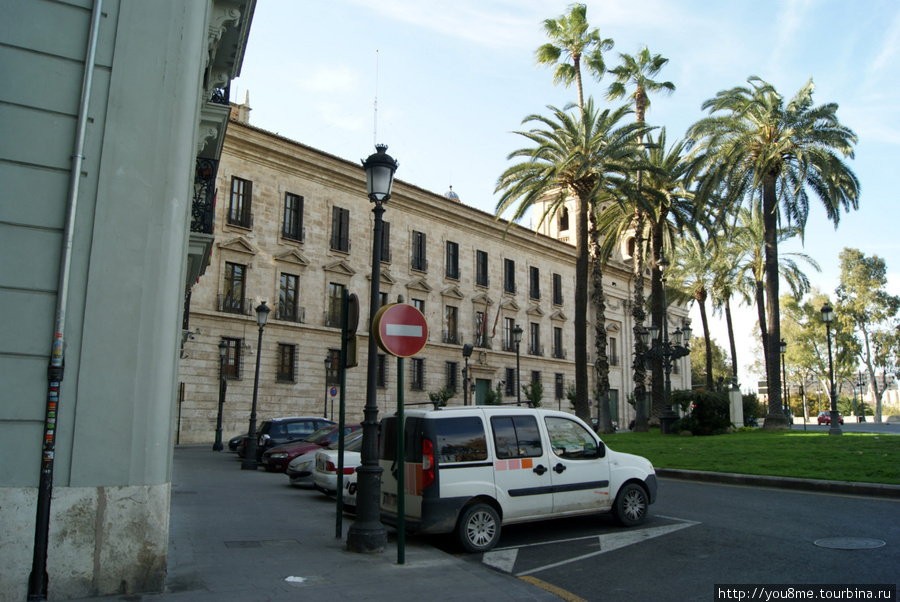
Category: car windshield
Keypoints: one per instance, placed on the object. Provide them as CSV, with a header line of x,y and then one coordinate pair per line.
x,y
349,439
320,434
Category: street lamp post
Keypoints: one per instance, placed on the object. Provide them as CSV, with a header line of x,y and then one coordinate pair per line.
x,y
367,534
862,405
249,463
223,348
664,351
787,409
517,339
467,352
827,317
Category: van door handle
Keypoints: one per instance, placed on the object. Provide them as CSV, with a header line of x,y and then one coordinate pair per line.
x,y
539,469
560,468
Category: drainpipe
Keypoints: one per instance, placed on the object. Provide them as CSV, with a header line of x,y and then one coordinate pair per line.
x,y
37,580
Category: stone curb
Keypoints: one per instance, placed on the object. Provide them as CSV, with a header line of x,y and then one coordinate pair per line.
x,y
846,487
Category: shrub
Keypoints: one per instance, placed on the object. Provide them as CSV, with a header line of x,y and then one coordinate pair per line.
x,y
534,393
709,414
441,396
494,397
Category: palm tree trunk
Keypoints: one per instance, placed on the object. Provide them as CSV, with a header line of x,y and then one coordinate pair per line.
x,y
601,363
761,316
639,315
704,321
730,325
582,409
775,419
657,311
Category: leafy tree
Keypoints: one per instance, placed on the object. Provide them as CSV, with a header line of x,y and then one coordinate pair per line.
x,y
754,141
865,308
721,367
581,154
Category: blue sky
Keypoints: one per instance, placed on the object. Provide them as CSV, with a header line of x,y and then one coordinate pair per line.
x,y
455,79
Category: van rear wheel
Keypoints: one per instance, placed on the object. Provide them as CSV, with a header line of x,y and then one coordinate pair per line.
x,y
478,528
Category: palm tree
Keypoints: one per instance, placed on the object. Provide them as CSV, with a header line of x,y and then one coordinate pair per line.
x,y
581,154
638,70
759,143
747,245
570,37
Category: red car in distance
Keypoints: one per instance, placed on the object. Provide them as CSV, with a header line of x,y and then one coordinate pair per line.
x,y
277,458
825,418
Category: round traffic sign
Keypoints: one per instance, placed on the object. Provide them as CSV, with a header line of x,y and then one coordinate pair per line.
x,y
334,391
400,329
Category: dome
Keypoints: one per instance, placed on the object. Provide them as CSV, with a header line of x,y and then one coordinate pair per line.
x,y
452,195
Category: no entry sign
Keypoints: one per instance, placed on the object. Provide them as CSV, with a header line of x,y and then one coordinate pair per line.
x,y
400,329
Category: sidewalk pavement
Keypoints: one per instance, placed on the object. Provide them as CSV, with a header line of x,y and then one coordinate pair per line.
x,y
243,535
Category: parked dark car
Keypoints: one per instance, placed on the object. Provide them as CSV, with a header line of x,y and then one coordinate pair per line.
x,y
276,459
825,418
283,430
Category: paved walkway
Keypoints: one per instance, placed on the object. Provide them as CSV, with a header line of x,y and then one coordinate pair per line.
x,y
242,535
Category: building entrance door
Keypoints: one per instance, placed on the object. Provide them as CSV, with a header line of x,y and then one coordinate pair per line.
x,y
482,386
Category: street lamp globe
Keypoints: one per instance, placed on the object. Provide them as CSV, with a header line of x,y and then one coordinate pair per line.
x,y
380,168
262,315
827,313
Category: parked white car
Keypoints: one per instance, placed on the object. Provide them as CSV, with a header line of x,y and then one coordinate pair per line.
x,y
470,470
325,470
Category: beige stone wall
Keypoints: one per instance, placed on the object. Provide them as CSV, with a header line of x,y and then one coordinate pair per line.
x,y
277,166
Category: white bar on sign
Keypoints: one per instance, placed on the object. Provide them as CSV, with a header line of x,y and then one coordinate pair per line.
x,y
403,330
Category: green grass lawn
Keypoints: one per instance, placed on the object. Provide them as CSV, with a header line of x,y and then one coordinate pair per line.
x,y
863,457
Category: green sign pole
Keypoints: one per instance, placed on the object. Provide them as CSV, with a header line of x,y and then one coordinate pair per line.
x,y
339,493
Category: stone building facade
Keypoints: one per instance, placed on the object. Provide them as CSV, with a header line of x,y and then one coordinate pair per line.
x,y
294,228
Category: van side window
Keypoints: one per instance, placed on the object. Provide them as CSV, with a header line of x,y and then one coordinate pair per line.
x,y
460,440
516,437
570,440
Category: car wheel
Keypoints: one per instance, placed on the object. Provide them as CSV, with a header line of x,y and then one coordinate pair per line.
x,y
478,528
631,505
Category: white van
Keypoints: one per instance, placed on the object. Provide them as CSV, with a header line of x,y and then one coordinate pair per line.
x,y
470,469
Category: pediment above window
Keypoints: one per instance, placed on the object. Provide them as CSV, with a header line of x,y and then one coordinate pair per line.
x,y
558,315
340,267
510,305
239,245
386,278
294,257
535,310
482,299
452,292
418,284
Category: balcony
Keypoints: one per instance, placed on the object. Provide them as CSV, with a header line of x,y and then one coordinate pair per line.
x,y
333,318
295,234
290,313
232,305
420,264
559,354
451,338
537,350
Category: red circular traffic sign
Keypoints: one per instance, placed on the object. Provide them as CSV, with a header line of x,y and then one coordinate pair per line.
x,y
400,329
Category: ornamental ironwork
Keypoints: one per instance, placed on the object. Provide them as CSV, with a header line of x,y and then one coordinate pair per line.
x,y
204,204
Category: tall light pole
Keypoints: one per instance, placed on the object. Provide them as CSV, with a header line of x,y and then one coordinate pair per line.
x,y
467,352
223,348
664,351
367,534
862,405
327,365
249,463
517,339
827,317
787,410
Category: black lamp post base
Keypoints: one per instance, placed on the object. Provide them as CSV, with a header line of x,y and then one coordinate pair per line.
x,y
366,538
666,421
217,446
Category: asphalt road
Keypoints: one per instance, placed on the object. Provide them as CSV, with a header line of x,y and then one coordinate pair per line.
x,y
700,535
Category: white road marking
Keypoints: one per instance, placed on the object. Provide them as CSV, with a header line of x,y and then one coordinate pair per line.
x,y
505,560
614,541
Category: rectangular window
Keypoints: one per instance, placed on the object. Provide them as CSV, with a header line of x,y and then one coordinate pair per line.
x,y
535,376
386,243
232,365
418,259
509,276
381,374
563,219
287,355
293,217
340,229
481,269
510,381
558,351
239,205
288,309
452,381
382,299
481,336
417,374
534,347
613,352
460,440
233,295
332,367
333,310
516,437
557,290
451,325
419,304
508,343
534,283
452,270
560,385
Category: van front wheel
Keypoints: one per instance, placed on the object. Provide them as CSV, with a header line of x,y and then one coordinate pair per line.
x,y
479,528
631,505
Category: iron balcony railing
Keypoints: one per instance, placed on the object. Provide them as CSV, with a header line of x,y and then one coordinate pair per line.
x,y
290,313
232,305
203,207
